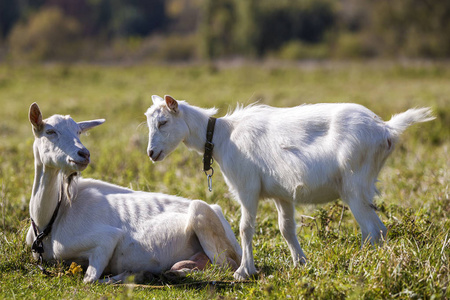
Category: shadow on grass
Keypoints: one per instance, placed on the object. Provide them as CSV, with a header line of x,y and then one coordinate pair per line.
x,y
165,281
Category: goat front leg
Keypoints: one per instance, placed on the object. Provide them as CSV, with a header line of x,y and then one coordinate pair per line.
x,y
98,260
99,249
246,230
286,222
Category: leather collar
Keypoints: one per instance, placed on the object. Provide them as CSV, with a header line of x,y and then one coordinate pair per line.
x,y
209,145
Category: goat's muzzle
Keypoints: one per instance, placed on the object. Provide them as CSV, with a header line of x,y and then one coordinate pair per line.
x,y
154,156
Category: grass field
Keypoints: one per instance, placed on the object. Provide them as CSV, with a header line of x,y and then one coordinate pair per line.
x,y
414,202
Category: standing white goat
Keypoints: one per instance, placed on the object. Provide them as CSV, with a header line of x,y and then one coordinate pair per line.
x,y
307,154
110,229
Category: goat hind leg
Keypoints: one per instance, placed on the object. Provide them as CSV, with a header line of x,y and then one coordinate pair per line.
x,y
286,222
197,262
372,228
205,223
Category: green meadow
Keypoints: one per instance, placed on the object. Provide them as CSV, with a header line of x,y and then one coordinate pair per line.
x,y
414,201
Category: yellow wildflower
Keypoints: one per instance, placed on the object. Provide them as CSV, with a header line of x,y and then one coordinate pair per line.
x,y
74,269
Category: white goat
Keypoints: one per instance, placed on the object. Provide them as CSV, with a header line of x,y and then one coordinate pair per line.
x,y
306,154
109,229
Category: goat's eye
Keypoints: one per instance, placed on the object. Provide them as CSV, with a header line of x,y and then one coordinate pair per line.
x,y
162,123
50,131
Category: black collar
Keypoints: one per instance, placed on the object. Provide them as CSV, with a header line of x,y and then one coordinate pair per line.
x,y
38,246
209,146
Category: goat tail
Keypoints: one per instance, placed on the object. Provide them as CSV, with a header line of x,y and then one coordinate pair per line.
x,y
398,123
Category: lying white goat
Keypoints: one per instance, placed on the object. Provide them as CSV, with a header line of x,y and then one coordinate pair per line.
x,y
109,229
305,154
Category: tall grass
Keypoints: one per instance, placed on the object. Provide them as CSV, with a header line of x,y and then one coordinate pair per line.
x,y
414,202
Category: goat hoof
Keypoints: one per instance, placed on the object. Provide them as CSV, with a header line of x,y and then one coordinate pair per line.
x,y
300,262
243,273
89,279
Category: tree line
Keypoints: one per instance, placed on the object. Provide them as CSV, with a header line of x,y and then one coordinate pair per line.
x,y
210,29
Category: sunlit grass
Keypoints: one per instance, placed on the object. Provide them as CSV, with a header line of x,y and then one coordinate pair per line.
x,y
414,201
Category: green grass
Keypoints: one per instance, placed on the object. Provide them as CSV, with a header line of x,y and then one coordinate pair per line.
x,y
414,202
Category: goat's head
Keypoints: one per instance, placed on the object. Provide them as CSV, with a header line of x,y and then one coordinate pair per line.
x,y
57,141
166,126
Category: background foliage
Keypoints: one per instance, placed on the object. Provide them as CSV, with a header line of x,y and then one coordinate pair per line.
x,y
113,30
414,202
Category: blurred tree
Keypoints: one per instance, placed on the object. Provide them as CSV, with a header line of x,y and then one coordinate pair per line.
x,y
9,14
219,19
48,34
183,16
286,20
115,17
256,27
247,33
137,17
293,28
413,28
353,15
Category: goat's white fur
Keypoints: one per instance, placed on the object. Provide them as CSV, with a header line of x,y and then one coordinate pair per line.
x,y
110,229
306,154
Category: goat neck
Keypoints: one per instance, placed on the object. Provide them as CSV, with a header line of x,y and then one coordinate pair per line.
x,y
197,122
44,197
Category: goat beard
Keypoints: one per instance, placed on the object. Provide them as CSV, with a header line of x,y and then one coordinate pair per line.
x,y
67,189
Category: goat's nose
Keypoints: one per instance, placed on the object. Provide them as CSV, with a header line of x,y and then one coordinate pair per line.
x,y
150,153
84,153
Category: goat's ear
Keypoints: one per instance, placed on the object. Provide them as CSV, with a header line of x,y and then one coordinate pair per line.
x,y
157,99
171,103
86,125
35,116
